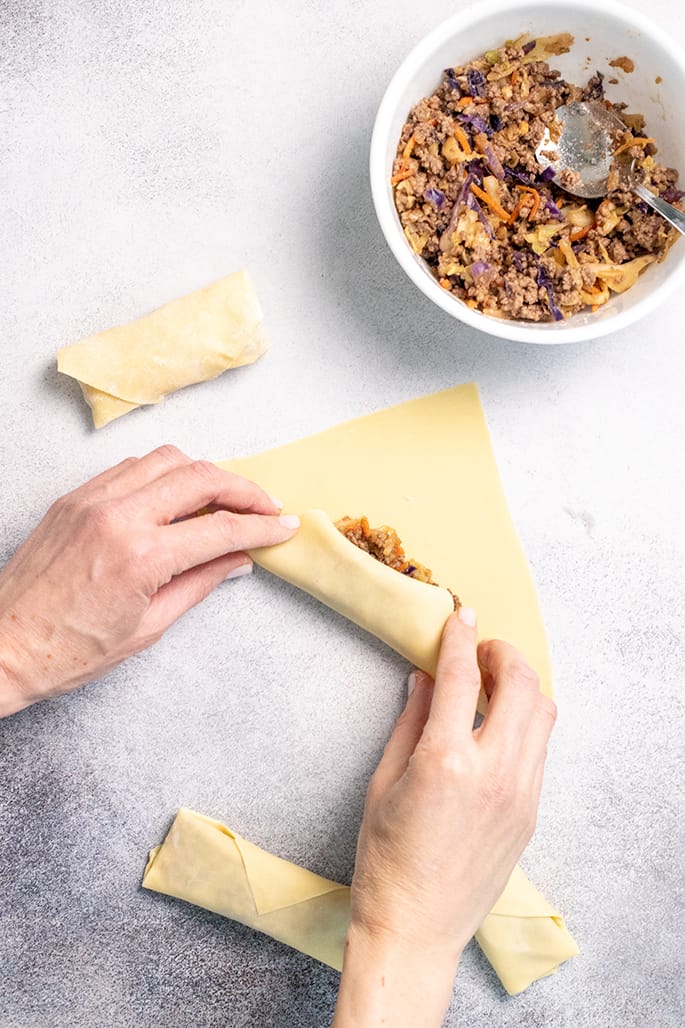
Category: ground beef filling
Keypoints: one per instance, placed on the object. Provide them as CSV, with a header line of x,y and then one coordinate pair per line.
x,y
492,227
385,545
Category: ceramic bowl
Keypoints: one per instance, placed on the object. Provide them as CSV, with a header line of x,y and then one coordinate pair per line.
x,y
655,88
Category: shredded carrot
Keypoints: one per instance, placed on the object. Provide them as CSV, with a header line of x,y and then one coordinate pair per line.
x,y
514,76
465,100
406,153
595,307
462,139
492,204
472,304
445,283
400,176
595,291
517,209
536,198
560,201
579,233
637,141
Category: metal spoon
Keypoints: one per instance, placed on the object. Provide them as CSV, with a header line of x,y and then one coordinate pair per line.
x,y
582,156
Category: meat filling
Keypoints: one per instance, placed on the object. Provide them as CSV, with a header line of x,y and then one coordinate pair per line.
x,y
493,229
385,545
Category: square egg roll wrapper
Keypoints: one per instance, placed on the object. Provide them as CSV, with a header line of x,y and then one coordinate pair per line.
x,y
205,863
188,340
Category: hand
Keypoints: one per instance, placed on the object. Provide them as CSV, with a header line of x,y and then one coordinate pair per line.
x,y
111,567
448,813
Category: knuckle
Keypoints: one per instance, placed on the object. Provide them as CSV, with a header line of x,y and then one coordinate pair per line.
x,y
226,523
548,708
522,675
204,470
169,454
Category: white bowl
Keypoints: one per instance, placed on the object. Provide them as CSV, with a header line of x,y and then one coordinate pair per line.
x,y
613,31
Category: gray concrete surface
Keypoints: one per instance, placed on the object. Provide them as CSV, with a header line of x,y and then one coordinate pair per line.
x,y
148,149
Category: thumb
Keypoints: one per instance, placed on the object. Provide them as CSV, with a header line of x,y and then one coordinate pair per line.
x,y
407,732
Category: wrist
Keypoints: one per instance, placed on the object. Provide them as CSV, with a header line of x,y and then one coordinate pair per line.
x,y
388,979
13,694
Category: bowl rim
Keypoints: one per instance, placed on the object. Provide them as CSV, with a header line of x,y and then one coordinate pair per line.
x,y
413,266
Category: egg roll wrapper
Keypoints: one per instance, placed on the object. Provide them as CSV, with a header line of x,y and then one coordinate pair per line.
x,y
192,339
205,863
523,936
406,614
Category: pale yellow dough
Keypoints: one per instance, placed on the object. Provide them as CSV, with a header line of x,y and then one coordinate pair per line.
x,y
406,614
427,468
192,339
205,863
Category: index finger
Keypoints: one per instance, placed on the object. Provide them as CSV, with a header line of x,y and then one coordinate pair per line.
x,y
457,679
190,487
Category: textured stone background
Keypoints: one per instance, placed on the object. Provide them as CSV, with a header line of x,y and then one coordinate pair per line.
x,y
149,148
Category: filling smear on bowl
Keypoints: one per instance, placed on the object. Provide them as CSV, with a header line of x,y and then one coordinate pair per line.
x,y
494,229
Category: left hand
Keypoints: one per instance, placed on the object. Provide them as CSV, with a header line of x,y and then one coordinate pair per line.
x,y
113,564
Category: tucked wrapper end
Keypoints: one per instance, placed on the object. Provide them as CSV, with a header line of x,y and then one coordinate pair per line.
x,y
205,863
523,937
192,339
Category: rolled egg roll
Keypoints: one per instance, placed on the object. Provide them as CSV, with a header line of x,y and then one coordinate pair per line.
x,y
188,340
205,863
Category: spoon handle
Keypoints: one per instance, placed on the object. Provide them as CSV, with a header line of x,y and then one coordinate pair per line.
x,y
665,209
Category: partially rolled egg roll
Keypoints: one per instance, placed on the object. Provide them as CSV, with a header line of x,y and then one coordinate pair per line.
x,y
205,863
406,614
192,339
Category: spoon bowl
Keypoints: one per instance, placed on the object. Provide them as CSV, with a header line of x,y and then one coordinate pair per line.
x,y
582,155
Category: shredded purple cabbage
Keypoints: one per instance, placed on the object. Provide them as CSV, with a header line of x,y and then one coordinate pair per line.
x,y
518,259
472,202
451,80
476,122
671,195
545,282
493,162
476,167
495,122
409,570
553,210
435,196
547,175
465,189
478,269
520,176
578,248
454,216
527,47
476,82
642,207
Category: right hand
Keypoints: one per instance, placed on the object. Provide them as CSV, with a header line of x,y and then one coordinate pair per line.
x,y
448,813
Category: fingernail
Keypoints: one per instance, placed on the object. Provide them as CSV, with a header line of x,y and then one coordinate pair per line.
x,y
240,570
289,521
468,616
411,682
276,502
